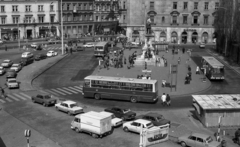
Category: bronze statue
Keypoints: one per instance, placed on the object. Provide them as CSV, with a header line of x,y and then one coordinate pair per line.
x,y
148,26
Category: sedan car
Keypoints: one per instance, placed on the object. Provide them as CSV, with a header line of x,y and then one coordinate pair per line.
x,y
27,55
2,70
46,100
16,66
11,73
135,43
34,45
12,83
51,53
40,57
115,121
155,118
88,45
135,126
69,107
6,63
202,45
199,140
124,114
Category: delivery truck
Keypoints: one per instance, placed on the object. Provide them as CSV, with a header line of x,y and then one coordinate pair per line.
x,y
93,123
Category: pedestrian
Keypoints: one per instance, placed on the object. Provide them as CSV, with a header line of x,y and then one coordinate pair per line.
x,y
168,99
197,70
179,60
164,97
3,93
66,50
183,50
5,47
125,60
237,136
70,50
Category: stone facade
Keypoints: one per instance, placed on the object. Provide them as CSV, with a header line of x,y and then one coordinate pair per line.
x,y
181,21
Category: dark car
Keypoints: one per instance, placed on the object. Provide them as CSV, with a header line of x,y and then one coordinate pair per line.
x,y
26,61
124,114
79,48
155,118
39,47
46,100
40,57
11,73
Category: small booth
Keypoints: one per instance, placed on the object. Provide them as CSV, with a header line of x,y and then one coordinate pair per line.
x,y
209,108
160,46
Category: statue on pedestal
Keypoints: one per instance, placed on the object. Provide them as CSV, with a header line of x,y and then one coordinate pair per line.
x,y
148,26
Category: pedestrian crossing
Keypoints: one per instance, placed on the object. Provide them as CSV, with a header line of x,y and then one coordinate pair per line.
x,y
63,91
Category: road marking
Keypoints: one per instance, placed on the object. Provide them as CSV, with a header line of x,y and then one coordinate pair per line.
x,y
2,101
78,87
69,90
58,92
10,96
63,91
50,92
75,89
27,96
19,96
42,91
8,100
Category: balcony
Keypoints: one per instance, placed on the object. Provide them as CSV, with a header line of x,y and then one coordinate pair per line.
x,y
195,24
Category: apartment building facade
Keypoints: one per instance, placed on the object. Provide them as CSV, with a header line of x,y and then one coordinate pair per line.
x,y
28,19
178,21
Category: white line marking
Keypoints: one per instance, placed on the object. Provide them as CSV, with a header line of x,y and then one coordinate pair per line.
x,y
12,97
69,90
19,96
63,91
27,96
42,91
75,89
2,101
78,87
58,92
50,92
8,100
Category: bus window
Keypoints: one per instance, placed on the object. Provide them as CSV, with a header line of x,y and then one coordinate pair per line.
x,y
103,84
148,87
125,86
95,83
86,83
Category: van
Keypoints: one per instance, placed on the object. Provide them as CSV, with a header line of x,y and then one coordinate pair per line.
x,y
26,61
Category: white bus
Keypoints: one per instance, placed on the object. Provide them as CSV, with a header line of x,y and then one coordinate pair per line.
x,y
101,49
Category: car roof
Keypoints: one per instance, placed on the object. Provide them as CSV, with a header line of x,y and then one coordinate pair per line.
x,y
11,79
142,121
7,60
69,102
154,114
16,63
203,136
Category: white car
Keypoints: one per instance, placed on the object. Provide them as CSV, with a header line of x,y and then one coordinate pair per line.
x,y
7,63
115,121
1,41
27,54
16,66
34,45
12,83
202,45
88,45
51,53
135,126
69,107
2,70
135,43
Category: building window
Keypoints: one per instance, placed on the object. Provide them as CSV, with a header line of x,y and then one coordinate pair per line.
x,y
124,17
104,8
185,19
152,18
163,19
216,5
90,6
15,20
68,6
28,8
85,7
124,5
174,5
185,5
205,19
52,18
3,19
15,8
2,8
27,19
62,6
151,5
41,19
96,18
174,19
90,17
79,6
40,8
195,5
51,8
100,7
102,18
195,19
206,5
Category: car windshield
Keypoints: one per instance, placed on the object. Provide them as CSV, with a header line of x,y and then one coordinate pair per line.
x,y
126,110
15,65
47,96
12,81
209,139
73,105
11,71
159,118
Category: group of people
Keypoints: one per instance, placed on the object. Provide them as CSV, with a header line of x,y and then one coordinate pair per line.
x,y
146,77
115,60
70,50
131,59
166,100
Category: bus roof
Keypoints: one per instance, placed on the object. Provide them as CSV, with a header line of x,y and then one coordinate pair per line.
x,y
101,43
119,79
212,61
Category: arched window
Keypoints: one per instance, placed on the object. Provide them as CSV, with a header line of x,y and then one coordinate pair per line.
x,y
163,19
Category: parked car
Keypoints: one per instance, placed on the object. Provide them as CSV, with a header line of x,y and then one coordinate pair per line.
x,y
12,83
202,45
26,61
27,54
155,118
11,73
135,43
135,126
53,41
40,57
39,47
88,45
51,53
34,45
46,100
2,70
199,140
6,63
124,114
16,66
69,107
115,121
80,48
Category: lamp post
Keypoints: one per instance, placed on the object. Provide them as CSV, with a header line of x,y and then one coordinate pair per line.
x,y
62,29
19,38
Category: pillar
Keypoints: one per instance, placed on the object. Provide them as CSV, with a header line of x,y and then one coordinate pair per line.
x,y
189,37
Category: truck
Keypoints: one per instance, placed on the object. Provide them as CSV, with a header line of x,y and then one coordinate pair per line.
x,y
93,123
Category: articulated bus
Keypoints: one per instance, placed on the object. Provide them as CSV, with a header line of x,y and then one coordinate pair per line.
x,y
118,88
213,69
100,49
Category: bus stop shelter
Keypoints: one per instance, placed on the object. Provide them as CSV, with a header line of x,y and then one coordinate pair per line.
x,y
160,46
208,109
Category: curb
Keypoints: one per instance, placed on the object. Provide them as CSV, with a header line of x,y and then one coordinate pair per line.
x,y
42,71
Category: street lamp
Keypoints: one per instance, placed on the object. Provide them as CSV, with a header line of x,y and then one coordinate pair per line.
x,y
62,29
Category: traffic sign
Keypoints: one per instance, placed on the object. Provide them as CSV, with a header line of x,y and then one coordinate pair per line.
x,y
27,133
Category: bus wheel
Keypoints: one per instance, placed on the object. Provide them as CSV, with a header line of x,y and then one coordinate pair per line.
x,y
97,96
133,99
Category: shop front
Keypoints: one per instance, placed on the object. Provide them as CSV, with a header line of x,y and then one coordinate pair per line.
x,y
43,32
205,37
194,37
9,33
163,37
135,36
184,37
174,37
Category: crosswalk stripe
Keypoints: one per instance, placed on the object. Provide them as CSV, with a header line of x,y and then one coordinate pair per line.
x,y
12,97
42,91
9,100
50,92
19,96
75,89
27,96
58,92
2,101
69,90
63,91
78,87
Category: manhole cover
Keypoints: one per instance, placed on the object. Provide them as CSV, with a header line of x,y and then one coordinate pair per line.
x,y
175,124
